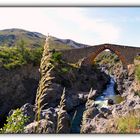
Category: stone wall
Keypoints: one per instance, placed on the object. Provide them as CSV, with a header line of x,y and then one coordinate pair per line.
x,y
125,53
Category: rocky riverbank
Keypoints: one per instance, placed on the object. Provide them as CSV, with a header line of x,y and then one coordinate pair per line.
x,y
119,117
104,120
93,120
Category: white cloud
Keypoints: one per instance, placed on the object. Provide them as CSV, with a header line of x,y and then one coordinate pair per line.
x,y
61,22
103,29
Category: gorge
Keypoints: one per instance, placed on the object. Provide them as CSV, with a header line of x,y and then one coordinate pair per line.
x,y
64,97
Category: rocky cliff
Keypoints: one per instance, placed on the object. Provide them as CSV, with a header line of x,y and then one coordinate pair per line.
x,y
17,87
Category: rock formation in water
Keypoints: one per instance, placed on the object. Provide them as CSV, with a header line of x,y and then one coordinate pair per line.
x,y
90,112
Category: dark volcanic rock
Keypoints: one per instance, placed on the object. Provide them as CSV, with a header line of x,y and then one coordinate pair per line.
x,y
52,95
50,114
28,110
110,102
17,87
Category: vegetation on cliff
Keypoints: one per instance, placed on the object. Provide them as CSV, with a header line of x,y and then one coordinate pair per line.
x,y
110,61
107,57
17,56
128,123
137,70
15,123
137,73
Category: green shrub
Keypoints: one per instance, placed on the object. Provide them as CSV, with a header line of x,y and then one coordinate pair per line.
x,y
56,56
15,123
65,70
17,56
137,73
107,57
137,58
13,64
36,55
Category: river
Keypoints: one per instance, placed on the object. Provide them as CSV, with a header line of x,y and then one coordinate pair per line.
x,y
101,101
108,93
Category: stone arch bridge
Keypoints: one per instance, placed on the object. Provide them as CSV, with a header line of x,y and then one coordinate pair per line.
x,y
88,54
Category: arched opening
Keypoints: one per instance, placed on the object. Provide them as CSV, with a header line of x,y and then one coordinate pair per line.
x,y
90,59
93,55
112,62
108,60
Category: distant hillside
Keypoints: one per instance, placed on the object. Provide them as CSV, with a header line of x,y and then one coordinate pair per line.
x,y
11,37
57,43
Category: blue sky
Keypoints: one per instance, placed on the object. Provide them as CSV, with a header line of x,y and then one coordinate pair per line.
x,y
92,26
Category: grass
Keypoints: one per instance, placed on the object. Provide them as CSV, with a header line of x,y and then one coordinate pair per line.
x,y
137,93
128,124
137,57
137,72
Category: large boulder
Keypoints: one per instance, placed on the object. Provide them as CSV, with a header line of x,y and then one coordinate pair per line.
x,y
50,114
43,126
28,110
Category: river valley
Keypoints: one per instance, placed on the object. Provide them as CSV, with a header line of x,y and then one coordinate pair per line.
x,y
104,100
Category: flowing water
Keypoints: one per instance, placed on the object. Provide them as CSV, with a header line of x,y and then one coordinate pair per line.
x,y
77,118
101,101
109,93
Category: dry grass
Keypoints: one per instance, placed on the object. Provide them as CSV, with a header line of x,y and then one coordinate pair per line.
x,y
130,123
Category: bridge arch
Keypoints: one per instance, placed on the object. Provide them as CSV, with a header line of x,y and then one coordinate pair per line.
x,y
91,57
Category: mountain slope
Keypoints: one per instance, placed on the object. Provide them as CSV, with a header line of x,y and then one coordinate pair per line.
x,y
12,37
57,43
